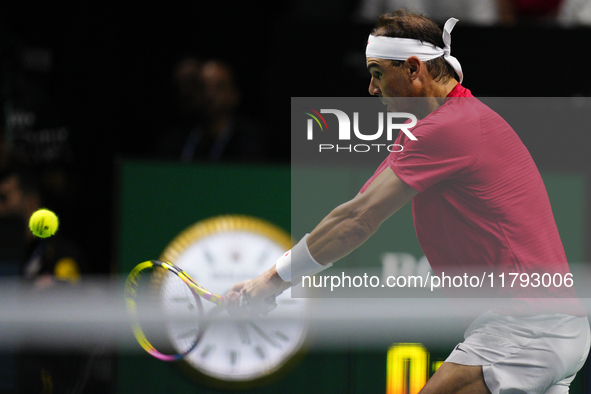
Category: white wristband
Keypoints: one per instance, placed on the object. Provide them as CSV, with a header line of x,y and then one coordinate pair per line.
x,y
297,262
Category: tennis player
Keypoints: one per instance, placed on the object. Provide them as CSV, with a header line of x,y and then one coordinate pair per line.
x,y
479,203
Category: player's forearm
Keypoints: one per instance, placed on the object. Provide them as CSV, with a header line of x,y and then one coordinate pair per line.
x,y
273,277
345,228
337,235
341,232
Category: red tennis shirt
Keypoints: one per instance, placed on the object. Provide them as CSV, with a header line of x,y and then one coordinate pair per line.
x,y
482,205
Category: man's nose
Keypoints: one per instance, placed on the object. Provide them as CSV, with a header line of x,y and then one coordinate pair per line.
x,y
373,89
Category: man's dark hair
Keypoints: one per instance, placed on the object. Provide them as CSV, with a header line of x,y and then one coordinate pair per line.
x,y
409,24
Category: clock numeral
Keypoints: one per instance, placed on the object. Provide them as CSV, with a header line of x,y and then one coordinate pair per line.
x,y
260,352
233,357
282,336
206,351
190,305
264,335
208,256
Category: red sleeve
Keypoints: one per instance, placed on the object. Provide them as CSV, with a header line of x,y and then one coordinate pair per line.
x,y
448,145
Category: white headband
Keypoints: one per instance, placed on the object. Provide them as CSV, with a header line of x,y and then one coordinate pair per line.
x,y
402,48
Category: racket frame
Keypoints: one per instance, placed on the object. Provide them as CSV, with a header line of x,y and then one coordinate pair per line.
x,y
131,285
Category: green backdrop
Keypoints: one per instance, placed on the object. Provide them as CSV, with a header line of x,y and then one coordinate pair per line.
x,y
156,201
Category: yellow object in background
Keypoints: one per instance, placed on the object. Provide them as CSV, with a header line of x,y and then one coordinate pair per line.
x,y
67,269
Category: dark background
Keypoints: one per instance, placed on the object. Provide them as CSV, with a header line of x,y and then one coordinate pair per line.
x,y
111,80
112,61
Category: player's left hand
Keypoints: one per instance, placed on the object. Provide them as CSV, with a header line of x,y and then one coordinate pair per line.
x,y
256,296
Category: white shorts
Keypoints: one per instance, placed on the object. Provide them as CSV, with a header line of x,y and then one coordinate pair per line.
x,y
536,354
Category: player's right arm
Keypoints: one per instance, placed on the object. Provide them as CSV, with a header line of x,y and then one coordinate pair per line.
x,y
349,225
346,228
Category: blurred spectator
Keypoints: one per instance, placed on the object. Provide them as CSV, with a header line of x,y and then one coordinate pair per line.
x,y
3,148
567,13
35,126
477,12
46,264
574,13
539,12
46,260
208,126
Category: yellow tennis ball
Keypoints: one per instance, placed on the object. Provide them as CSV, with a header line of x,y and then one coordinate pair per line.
x,y
43,223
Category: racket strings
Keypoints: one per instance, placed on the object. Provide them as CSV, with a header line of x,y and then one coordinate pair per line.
x,y
183,310
166,312
166,307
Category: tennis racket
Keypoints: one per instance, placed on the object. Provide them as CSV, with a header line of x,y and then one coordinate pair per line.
x,y
165,302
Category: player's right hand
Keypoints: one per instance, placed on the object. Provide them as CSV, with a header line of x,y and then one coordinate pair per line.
x,y
256,296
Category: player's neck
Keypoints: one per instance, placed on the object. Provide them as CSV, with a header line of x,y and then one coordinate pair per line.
x,y
439,91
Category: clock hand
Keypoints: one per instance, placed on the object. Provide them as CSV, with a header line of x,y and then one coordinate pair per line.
x,y
244,337
263,335
179,299
185,299
282,336
190,333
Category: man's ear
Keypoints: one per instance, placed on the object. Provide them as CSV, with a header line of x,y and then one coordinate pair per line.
x,y
414,67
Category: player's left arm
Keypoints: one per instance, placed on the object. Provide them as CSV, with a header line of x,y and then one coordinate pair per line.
x,y
346,228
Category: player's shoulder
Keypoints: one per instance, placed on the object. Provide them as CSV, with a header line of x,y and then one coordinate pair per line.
x,y
457,117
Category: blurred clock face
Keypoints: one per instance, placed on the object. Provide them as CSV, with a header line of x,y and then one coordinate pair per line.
x,y
239,351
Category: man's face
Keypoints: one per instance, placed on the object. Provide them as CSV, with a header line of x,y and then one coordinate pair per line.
x,y
394,86
219,90
189,86
12,198
386,79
